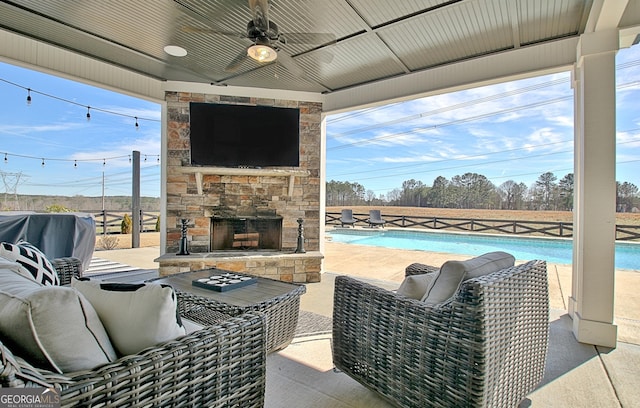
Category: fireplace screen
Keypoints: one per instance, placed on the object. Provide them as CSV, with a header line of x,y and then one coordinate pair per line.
x,y
246,233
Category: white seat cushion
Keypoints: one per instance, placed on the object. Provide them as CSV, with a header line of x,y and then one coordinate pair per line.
x,y
415,286
453,273
136,316
51,327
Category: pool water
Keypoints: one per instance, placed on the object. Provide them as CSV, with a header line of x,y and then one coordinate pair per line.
x,y
552,250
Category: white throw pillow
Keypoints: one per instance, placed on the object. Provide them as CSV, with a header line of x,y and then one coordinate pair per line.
x,y
32,259
415,286
136,316
51,327
453,273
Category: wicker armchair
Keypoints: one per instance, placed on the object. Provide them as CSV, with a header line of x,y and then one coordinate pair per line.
x,y
222,364
485,347
419,269
67,268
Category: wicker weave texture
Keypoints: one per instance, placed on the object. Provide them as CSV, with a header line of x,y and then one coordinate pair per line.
x,y
419,269
67,268
221,365
281,314
485,347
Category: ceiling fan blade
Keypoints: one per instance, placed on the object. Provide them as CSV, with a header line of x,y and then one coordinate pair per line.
x,y
324,56
307,38
236,62
290,64
198,30
260,13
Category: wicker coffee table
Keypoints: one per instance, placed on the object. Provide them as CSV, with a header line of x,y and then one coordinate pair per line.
x,y
280,301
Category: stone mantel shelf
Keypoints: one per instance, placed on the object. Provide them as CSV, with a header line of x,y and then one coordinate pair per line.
x,y
231,171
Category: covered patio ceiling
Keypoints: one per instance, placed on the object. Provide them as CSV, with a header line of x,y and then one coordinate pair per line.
x,y
352,52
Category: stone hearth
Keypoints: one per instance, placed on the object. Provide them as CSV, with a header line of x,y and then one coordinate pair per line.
x,y
205,194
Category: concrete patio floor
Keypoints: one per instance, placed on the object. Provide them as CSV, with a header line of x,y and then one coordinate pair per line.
x,y
577,375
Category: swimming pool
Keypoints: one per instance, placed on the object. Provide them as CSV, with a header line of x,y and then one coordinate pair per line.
x,y
552,250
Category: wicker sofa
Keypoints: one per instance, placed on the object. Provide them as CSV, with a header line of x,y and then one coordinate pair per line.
x,y
222,364
484,347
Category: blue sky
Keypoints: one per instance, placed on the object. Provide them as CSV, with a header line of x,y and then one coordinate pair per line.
x,y
53,127
511,131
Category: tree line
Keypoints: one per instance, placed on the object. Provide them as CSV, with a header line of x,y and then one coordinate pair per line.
x,y
25,202
472,190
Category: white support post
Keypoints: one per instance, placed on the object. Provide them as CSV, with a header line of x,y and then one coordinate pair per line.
x,y
591,304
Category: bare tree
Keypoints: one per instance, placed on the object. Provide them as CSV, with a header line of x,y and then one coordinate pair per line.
x,y
626,193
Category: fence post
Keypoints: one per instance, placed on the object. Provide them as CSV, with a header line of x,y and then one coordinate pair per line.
x,y
135,201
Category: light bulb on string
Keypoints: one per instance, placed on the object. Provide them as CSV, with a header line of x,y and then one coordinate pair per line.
x,y
129,158
75,164
158,158
43,162
6,159
145,158
104,162
88,115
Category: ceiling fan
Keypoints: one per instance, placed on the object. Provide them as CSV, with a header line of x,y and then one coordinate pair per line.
x,y
267,40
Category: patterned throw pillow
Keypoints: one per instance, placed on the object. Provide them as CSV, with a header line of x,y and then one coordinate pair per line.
x,y
32,259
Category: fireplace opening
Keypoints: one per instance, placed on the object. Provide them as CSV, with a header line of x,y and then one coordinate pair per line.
x,y
246,233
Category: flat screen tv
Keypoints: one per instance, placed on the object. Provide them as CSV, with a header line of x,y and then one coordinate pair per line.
x,y
244,136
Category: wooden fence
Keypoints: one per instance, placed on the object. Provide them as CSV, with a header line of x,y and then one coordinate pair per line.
x,y
110,222
513,227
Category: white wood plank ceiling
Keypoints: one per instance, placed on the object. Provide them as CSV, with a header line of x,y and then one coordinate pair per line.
x,y
362,42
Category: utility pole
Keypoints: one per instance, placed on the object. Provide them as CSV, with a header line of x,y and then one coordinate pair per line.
x,y
135,201
11,182
104,212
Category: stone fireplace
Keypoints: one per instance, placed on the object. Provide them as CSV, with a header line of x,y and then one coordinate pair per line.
x,y
243,219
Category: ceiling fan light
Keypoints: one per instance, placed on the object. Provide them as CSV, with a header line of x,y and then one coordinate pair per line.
x,y
262,53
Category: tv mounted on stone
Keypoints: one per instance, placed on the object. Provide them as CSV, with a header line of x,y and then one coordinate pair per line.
x,y
244,136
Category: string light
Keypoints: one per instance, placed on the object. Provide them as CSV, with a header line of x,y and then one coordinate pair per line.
x,y
29,91
43,160
88,116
